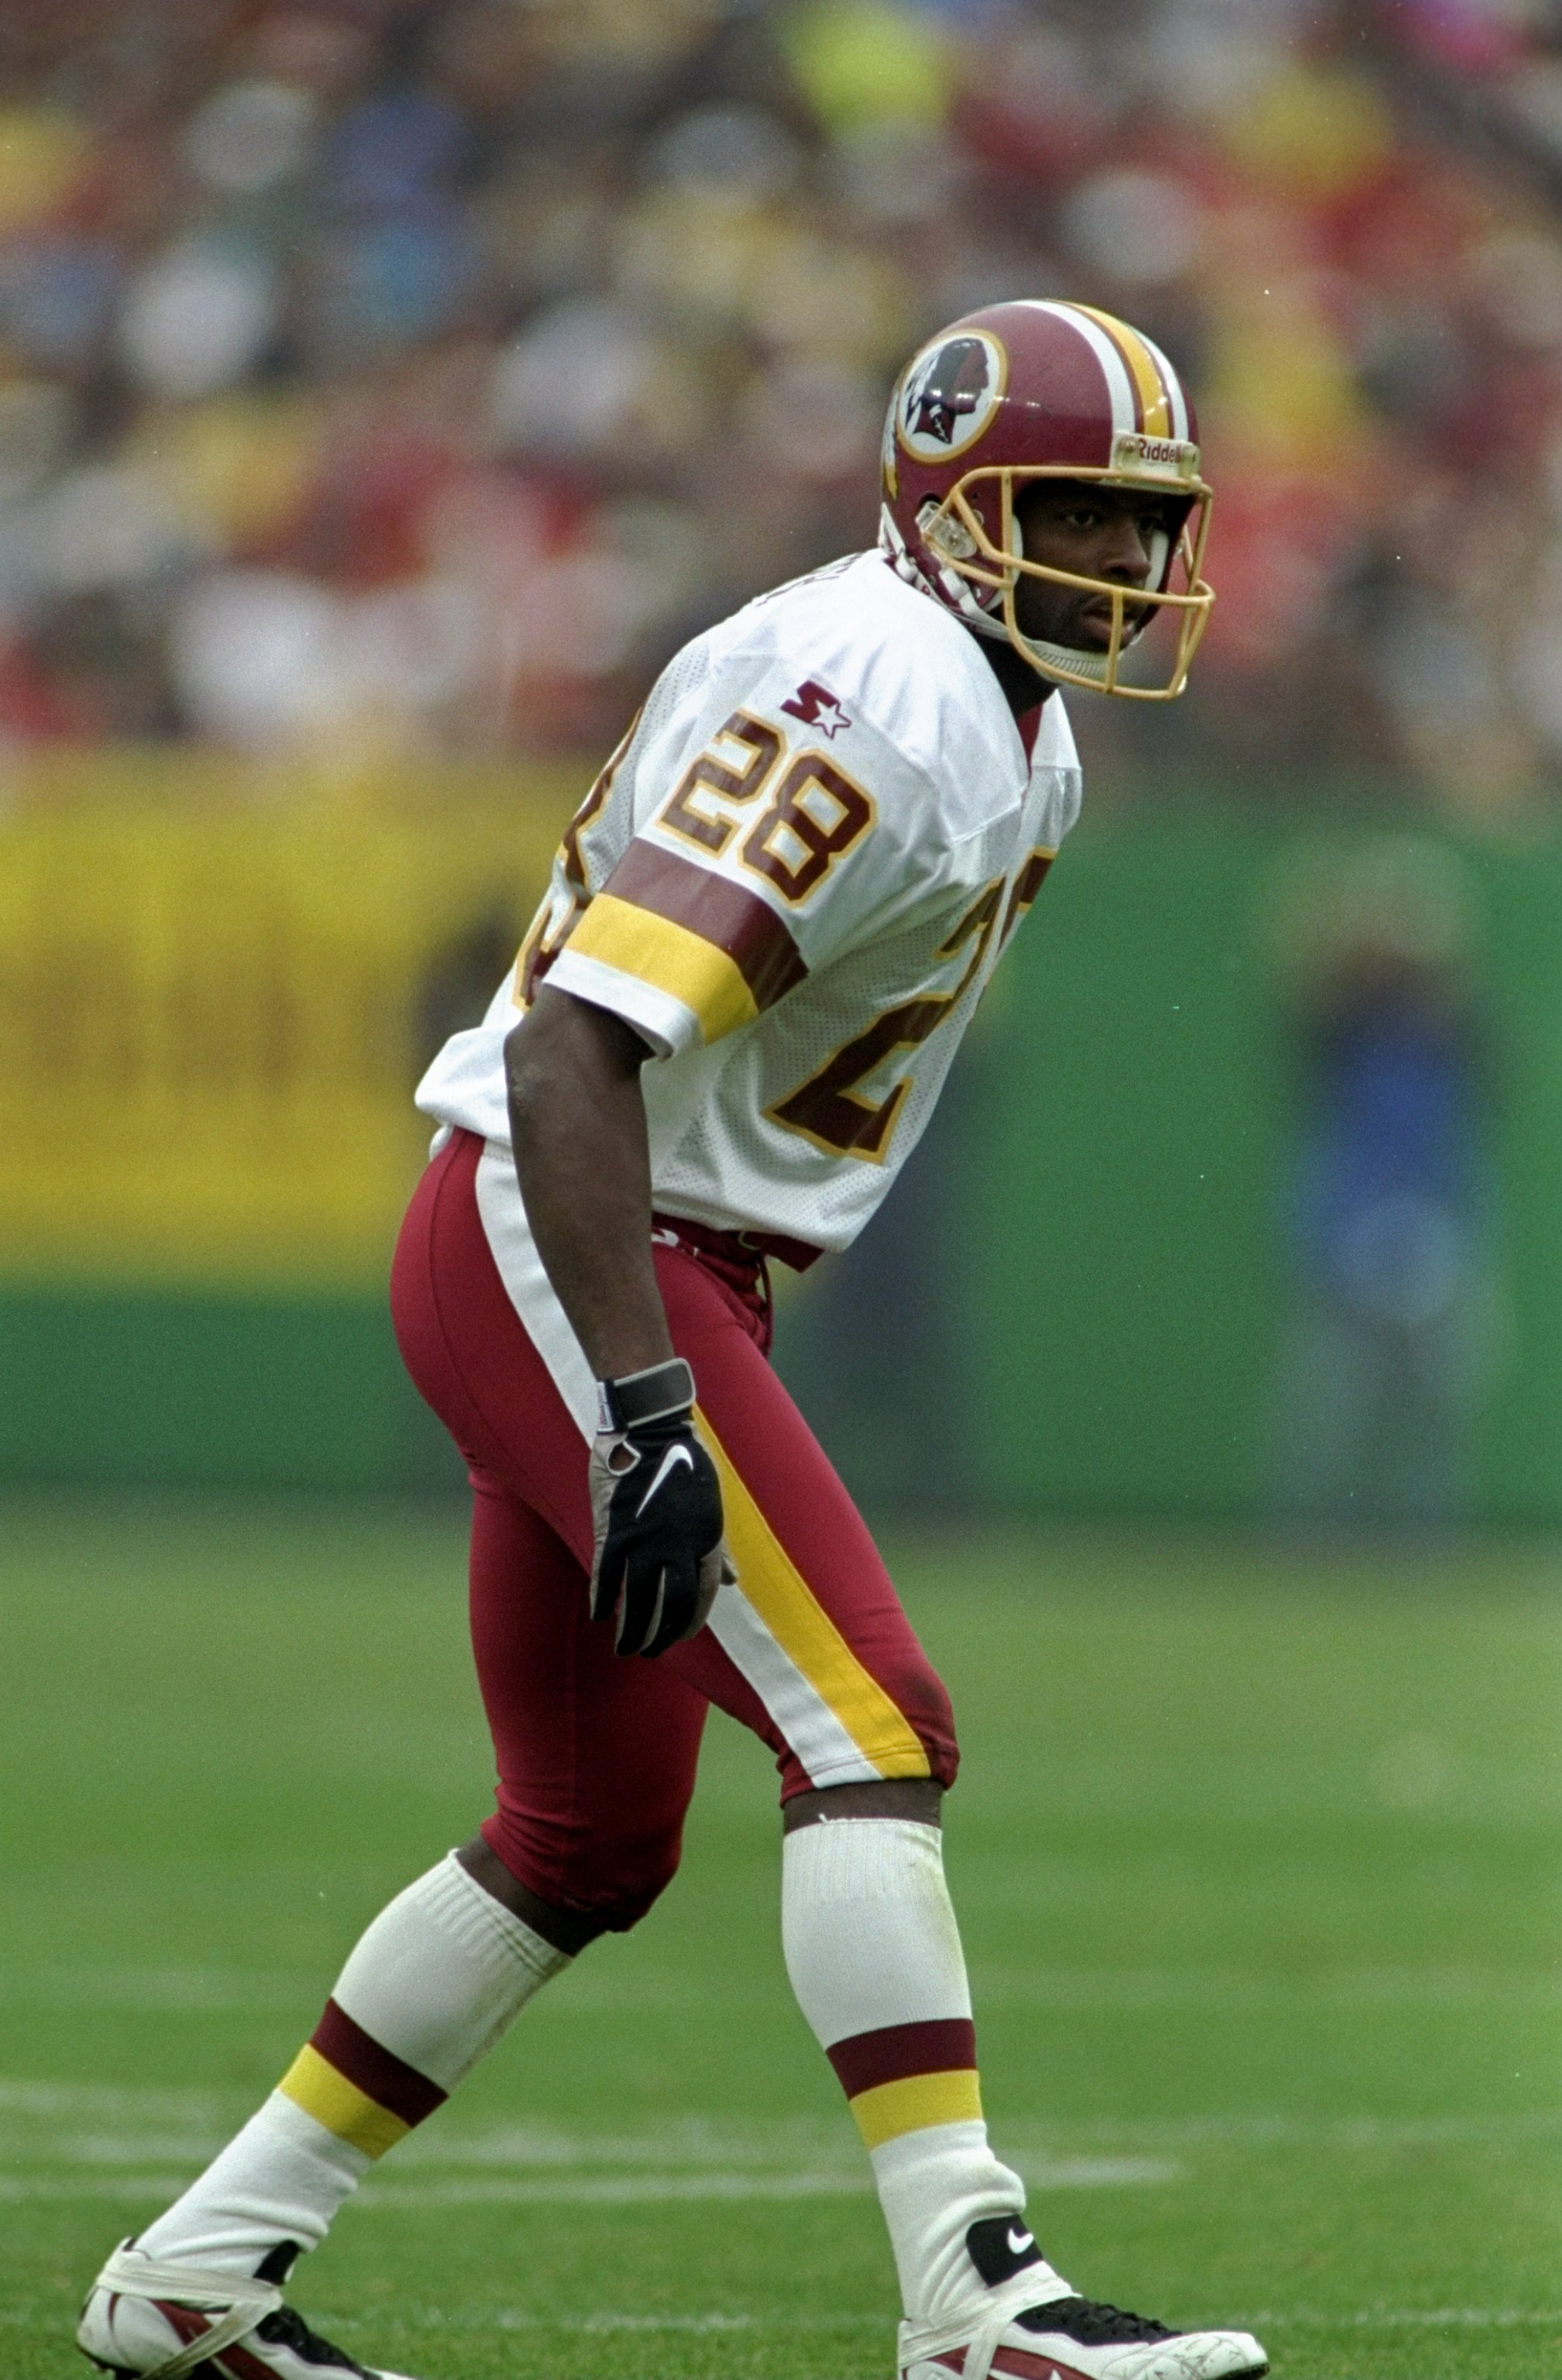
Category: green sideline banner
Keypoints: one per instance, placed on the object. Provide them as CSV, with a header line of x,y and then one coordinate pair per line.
x,y
1118,1239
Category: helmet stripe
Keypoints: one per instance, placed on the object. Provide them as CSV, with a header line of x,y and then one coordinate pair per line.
x,y
1155,413
1173,388
1119,387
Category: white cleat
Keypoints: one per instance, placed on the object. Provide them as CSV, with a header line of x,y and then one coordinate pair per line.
x,y
1032,2327
144,2319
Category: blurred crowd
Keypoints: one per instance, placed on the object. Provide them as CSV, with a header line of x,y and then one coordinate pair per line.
x,y
393,374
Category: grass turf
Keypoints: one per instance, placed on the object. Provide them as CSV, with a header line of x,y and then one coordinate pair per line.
x,y
1257,1865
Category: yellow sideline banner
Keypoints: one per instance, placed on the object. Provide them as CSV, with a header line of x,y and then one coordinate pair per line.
x,y
217,987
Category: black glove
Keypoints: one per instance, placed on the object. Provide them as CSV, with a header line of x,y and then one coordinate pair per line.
x,y
655,1511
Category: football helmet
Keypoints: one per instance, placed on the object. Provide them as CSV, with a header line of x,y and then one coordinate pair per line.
x,y
1035,389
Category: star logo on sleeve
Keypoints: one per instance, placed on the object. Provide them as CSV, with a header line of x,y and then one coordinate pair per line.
x,y
817,707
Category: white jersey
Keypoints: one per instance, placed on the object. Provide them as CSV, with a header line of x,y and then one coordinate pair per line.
x,y
793,879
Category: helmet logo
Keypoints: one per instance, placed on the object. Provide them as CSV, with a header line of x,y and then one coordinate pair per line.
x,y
950,394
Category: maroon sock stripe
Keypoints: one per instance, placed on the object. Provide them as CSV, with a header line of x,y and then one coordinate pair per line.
x,y
379,2073
896,2051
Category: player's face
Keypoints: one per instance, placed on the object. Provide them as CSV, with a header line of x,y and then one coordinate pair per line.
x,y
1110,533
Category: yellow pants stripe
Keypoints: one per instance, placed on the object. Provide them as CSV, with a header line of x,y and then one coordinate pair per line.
x,y
313,2084
780,1594
891,2108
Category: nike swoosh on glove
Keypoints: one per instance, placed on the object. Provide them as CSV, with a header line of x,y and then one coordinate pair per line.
x,y
656,1513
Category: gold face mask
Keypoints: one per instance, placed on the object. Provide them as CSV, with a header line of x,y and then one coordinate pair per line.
x,y
955,531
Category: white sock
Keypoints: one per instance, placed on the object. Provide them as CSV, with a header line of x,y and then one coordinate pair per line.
x,y
873,1953
436,1979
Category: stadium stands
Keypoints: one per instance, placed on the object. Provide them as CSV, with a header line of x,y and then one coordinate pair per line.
x,y
421,375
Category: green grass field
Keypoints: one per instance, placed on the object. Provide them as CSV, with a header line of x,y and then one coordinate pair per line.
x,y
1258,1865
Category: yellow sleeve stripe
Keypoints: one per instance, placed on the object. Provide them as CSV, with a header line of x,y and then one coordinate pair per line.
x,y
315,2085
806,1633
911,2105
671,958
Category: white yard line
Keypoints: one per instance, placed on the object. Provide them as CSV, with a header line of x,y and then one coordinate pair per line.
x,y
45,2125
622,2190
202,2116
1362,2133
594,1992
100,2099
504,2318
1411,2318
1198,1988
473,2318
131,2187
608,2190
195,1991
596,2189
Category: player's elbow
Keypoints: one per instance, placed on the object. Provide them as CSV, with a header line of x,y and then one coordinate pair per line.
x,y
532,1069
561,1047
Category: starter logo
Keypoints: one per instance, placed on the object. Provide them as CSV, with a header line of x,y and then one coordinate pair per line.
x,y
817,707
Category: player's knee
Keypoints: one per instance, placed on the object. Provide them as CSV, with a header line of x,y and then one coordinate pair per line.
x,y
610,1876
623,1888
913,1798
924,1698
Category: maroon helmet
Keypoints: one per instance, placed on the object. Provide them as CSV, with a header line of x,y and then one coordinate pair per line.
x,y
1037,390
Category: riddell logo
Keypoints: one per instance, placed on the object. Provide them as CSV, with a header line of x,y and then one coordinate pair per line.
x,y
1170,458
817,707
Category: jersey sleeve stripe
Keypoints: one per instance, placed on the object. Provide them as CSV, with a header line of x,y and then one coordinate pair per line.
x,y
683,966
751,932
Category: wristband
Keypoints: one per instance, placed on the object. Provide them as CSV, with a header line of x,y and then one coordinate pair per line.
x,y
640,1397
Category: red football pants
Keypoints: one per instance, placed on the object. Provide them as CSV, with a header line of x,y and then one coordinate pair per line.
x,y
596,1754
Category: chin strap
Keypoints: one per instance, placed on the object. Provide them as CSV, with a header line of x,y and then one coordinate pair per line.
x,y
241,2302
946,586
1068,664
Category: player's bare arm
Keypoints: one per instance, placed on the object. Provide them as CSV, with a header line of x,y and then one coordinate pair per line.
x,y
581,1157
583,1161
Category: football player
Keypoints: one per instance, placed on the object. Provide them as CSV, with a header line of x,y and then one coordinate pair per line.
x,y
767,932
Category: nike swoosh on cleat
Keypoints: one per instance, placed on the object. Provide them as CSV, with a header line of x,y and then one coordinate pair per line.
x,y
675,1455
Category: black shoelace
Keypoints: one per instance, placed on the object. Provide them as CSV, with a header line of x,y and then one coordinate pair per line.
x,y
1091,2325
286,2328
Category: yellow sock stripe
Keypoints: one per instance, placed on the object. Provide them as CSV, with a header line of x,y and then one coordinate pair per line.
x,y
1154,402
682,963
911,2105
809,1637
313,2084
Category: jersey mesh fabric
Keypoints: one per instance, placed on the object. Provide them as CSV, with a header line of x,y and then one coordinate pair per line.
x,y
868,683
766,1170
681,678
